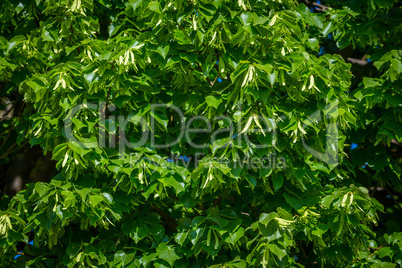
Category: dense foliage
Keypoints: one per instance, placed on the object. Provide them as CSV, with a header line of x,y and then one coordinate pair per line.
x,y
265,149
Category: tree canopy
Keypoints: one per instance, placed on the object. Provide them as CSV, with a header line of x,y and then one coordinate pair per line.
x,y
203,133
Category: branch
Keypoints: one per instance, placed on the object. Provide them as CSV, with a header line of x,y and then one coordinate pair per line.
x,y
9,152
4,116
361,62
10,104
322,7
199,66
8,135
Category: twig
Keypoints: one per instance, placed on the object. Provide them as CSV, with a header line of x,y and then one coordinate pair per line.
x,y
9,152
376,250
209,81
7,136
361,62
320,6
213,83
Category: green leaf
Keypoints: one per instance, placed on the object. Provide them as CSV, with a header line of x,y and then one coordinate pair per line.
x,y
313,43
277,181
235,236
35,85
172,182
160,118
167,253
267,218
327,201
385,251
328,28
41,188
288,124
320,230
94,200
278,251
217,144
135,3
180,238
73,249
46,35
155,6
83,193
397,65
120,100
293,201
213,101
369,82
91,78
163,51
118,200
108,197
